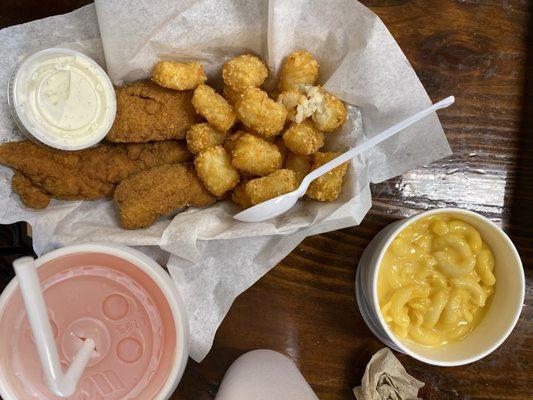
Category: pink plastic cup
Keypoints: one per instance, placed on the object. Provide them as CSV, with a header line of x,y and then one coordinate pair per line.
x,y
115,295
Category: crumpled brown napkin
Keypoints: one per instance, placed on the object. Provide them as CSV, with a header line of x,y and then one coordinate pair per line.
x,y
386,379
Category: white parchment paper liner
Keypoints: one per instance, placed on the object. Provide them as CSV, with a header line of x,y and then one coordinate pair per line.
x,y
211,257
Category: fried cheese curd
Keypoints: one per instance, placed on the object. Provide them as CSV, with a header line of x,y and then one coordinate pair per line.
x,y
203,136
179,75
300,69
215,170
273,185
255,156
328,186
244,71
260,113
213,107
303,139
301,165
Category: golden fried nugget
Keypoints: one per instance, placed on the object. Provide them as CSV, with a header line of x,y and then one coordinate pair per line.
x,y
231,95
178,75
330,113
277,183
213,107
244,71
143,197
282,149
229,143
301,165
203,136
255,156
299,70
91,173
304,138
147,111
240,197
328,186
260,113
30,195
216,171
295,103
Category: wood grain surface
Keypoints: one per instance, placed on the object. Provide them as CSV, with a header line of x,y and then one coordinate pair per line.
x,y
305,307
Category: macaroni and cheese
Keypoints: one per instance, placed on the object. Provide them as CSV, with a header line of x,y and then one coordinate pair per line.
x,y
434,280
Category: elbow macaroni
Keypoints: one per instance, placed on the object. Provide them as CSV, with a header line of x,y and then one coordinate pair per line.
x,y
434,281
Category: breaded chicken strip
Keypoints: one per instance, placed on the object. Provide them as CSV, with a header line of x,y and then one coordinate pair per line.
x,y
87,174
30,195
178,75
147,111
147,195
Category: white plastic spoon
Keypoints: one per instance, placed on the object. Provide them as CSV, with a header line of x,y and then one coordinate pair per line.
x,y
63,385
279,205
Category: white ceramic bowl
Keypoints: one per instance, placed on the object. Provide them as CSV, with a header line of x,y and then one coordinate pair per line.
x,y
157,274
504,308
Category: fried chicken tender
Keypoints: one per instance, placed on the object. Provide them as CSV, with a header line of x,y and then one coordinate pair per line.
x,y
213,107
328,186
260,113
240,197
87,174
304,138
179,75
143,197
277,183
299,70
147,111
330,113
216,171
203,136
301,165
294,101
231,95
255,156
30,195
244,71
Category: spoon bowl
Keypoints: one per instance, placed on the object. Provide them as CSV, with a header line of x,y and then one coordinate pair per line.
x,y
270,208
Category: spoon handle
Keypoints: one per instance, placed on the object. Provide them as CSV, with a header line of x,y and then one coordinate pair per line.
x,y
373,141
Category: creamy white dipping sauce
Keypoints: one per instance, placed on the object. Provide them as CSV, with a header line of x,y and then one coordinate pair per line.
x,y
62,98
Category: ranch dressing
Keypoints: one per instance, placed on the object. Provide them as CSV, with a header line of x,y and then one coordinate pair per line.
x,y
63,99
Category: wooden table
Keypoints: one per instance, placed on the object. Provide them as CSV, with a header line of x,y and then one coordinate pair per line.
x,y
305,307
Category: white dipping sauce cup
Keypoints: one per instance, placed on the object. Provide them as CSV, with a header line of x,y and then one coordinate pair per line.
x,y
505,304
62,98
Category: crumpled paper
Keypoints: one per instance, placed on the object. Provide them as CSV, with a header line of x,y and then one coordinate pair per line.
x,y
385,378
211,257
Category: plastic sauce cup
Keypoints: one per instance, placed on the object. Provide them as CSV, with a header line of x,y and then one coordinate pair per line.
x,y
504,307
115,295
62,98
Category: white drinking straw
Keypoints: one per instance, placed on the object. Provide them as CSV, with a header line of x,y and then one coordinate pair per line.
x,y
62,385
